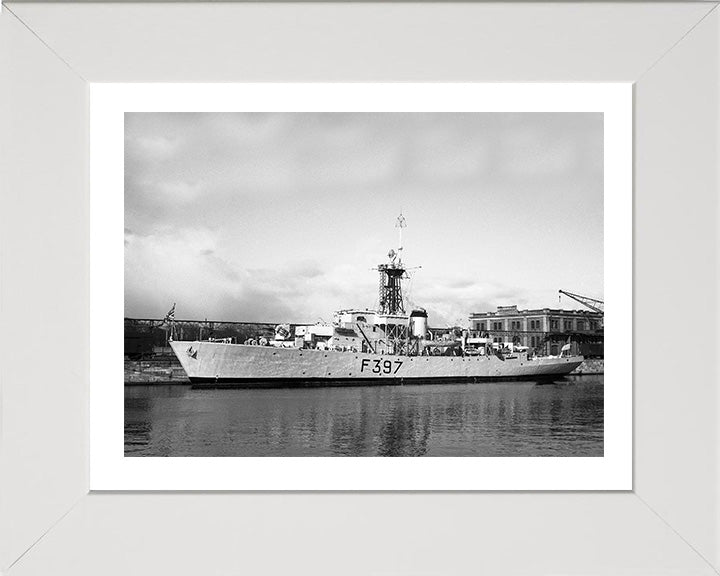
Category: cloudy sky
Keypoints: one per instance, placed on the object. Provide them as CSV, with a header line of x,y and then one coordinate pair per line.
x,y
282,216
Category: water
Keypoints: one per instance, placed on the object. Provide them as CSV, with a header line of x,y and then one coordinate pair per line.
x,y
494,419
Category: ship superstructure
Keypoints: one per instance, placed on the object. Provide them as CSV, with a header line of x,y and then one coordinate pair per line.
x,y
382,346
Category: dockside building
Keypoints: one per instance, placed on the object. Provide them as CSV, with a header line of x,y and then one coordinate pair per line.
x,y
544,329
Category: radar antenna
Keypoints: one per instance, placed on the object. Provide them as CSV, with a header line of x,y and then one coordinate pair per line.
x,y
400,224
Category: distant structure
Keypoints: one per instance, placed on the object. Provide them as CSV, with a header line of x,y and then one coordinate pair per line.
x,y
147,337
544,330
592,303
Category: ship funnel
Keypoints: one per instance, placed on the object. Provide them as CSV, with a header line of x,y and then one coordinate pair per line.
x,y
418,323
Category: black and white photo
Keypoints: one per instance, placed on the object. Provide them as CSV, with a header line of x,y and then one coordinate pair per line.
x,y
364,284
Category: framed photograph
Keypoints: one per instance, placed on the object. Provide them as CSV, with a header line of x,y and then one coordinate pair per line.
x,y
337,235
245,203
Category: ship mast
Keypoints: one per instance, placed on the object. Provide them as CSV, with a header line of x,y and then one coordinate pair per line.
x,y
391,317
400,224
391,275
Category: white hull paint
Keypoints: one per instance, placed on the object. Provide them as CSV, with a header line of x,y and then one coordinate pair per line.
x,y
221,364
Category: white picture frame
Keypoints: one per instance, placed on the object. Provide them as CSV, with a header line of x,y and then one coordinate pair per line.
x,y
50,523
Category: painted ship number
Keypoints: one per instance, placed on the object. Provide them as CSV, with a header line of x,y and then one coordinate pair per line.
x,y
378,366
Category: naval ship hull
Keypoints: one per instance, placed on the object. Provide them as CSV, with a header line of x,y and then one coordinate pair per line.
x,y
215,364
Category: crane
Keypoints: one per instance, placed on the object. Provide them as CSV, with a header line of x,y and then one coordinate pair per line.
x,y
592,303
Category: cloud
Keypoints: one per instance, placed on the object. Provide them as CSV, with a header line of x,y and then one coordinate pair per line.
x,y
532,153
153,147
184,267
283,216
450,300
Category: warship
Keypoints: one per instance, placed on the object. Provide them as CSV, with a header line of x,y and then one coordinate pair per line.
x,y
367,347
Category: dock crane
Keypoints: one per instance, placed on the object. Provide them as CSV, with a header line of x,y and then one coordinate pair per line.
x,y
592,303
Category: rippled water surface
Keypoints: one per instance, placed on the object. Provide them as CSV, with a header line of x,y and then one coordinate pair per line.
x,y
495,419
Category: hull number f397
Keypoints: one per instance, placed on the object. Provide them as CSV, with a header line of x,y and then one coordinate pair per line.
x,y
380,366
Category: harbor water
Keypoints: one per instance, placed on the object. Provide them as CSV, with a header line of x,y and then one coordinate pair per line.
x,y
564,418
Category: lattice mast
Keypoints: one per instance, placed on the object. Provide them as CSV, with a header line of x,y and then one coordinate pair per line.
x,y
391,275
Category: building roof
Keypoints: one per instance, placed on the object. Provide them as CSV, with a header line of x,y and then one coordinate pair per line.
x,y
503,311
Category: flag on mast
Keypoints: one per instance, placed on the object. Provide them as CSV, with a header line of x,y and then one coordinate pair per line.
x,y
170,316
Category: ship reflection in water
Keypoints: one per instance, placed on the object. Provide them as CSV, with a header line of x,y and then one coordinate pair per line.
x,y
494,419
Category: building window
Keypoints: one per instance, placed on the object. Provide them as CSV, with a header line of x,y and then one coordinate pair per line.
x,y
580,325
554,324
567,325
